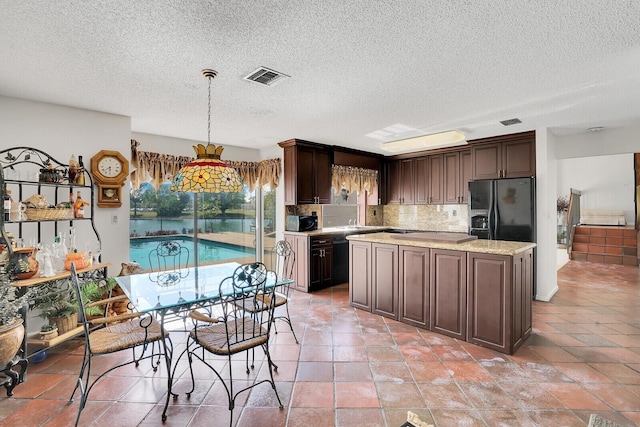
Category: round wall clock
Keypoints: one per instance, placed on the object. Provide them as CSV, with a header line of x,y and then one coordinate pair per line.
x,y
110,170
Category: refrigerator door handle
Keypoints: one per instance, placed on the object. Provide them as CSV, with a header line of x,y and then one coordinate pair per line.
x,y
496,215
491,212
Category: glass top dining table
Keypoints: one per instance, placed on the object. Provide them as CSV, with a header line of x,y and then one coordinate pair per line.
x,y
171,289
177,290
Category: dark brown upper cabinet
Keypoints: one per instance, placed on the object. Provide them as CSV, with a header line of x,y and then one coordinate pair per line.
x,y
466,172
457,173
436,180
509,156
307,172
401,182
416,181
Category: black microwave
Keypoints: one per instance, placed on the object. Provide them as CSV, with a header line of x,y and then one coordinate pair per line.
x,y
302,222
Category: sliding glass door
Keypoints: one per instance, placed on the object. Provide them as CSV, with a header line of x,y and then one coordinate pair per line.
x,y
216,227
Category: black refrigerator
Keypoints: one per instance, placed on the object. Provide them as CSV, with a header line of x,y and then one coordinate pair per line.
x,y
503,209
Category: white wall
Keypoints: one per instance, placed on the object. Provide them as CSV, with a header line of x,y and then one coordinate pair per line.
x,y
606,182
62,131
551,151
545,271
609,141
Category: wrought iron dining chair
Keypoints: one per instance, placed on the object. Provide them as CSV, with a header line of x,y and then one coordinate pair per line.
x,y
254,273
128,331
235,331
169,257
169,263
284,259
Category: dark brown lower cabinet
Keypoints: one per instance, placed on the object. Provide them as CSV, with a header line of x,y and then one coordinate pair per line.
x,y
384,280
413,278
521,305
360,275
484,299
499,297
449,293
321,262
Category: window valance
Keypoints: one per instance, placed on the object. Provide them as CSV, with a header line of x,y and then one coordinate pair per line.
x,y
161,168
352,178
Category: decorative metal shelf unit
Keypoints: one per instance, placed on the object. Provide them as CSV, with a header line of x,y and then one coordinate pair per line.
x,y
21,169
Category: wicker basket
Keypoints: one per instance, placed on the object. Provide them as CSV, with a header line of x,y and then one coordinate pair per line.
x,y
65,324
44,214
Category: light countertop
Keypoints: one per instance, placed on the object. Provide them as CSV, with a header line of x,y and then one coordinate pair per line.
x,y
497,247
340,230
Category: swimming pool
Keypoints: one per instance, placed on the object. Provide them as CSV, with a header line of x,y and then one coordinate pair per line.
x,y
208,251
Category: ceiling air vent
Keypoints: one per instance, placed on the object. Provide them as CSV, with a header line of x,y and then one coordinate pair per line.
x,y
266,76
511,122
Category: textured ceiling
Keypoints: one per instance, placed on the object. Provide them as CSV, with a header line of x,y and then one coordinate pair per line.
x,y
356,67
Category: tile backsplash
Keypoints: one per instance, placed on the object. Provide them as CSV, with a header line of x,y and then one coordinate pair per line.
x,y
453,218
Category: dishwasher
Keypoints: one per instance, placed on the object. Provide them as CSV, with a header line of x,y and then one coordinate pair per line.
x,y
340,259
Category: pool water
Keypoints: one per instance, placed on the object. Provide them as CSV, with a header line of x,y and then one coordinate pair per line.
x,y
208,251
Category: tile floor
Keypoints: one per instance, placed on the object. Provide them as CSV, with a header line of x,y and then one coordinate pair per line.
x,y
353,368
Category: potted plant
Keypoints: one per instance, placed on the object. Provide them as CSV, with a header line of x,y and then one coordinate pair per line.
x,y
96,291
48,331
60,307
11,327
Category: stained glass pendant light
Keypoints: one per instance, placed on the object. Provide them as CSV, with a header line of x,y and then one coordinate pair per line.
x,y
207,174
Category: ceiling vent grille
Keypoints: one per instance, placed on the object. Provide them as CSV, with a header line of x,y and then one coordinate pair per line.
x,y
511,122
266,76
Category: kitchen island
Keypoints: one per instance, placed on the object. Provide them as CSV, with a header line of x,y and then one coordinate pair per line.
x,y
478,291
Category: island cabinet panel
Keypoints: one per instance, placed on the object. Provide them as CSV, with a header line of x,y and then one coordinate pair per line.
x,y
522,293
384,280
489,301
448,292
414,286
360,275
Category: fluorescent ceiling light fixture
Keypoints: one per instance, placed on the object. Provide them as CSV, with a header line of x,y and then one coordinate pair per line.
x,y
436,140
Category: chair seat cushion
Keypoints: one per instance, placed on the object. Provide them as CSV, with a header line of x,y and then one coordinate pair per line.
x,y
243,333
124,335
281,299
